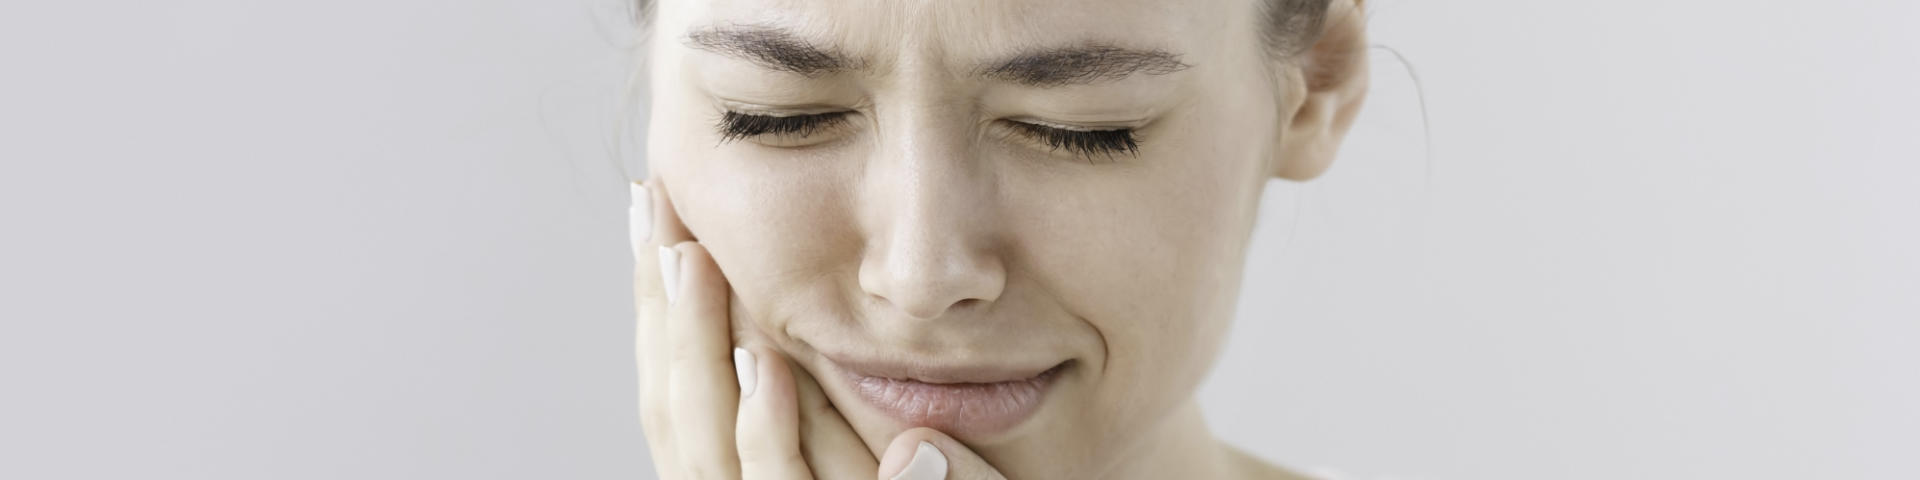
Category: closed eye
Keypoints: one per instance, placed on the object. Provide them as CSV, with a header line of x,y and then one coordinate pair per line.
x,y
735,125
1083,143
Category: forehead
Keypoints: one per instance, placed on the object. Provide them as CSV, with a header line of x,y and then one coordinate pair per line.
x,y
880,29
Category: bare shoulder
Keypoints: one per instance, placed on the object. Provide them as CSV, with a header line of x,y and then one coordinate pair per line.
x,y
1255,468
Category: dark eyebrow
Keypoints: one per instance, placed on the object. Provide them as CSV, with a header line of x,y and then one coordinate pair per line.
x,y
782,50
1082,65
772,48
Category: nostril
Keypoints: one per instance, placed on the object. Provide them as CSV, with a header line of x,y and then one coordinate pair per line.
x,y
966,303
925,305
925,272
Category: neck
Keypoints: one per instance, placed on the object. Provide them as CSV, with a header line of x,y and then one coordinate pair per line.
x,y
1179,447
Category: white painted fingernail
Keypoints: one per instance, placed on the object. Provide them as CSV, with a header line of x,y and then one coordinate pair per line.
x,y
639,217
746,370
927,464
670,273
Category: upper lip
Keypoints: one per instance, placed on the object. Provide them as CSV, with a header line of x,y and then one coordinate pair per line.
x,y
937,373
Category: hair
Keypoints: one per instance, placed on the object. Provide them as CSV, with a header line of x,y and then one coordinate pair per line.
x,y
1287,27
1290,26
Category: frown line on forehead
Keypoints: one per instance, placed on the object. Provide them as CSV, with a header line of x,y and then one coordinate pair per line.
x,y
1077,63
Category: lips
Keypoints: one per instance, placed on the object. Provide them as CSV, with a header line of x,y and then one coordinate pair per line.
x,y
966,401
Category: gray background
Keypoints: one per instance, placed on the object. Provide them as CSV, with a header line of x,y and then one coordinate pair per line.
x,y
385,239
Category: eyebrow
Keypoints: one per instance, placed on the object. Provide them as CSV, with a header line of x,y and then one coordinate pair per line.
x,y
771,48
1084,64
781,50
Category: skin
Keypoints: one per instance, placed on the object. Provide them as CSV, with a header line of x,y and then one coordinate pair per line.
x,y
924,230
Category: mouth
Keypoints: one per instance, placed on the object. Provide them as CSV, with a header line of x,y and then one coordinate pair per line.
x,y
966,401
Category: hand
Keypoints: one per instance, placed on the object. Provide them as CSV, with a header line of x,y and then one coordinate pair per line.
x,y
926,454
714,410
697,422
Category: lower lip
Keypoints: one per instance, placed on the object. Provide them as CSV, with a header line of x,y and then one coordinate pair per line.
x,y
959,409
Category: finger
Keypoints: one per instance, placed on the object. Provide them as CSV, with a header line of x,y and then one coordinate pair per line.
x,y
663,229
659,226
648,305
827,441
649,308
767,430
703,394
926,454
653,224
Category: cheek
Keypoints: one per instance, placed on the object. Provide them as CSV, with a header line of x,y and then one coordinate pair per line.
x,y
1152,261
775,232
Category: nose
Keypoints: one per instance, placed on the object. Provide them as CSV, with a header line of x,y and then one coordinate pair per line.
x,y
931,223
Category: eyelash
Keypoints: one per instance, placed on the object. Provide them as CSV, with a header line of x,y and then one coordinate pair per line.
x,y
1086,143
736,125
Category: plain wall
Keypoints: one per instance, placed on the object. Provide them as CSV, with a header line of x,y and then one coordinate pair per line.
x,y
386,240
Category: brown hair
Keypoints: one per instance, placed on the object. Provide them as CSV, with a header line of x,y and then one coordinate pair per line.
x,y
1291,26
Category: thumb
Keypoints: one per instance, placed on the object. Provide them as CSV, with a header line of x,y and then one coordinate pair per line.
x,y
926,454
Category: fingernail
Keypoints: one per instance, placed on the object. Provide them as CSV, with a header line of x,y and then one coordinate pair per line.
x,y
927,464
670,273
746,371
640,217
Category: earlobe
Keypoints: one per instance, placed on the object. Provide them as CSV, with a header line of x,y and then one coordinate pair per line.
x,y
1324,88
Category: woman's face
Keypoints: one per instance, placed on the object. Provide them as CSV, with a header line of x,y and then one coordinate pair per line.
x,y
948,227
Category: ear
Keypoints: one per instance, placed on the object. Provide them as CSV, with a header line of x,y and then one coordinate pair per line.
x,y
1322,92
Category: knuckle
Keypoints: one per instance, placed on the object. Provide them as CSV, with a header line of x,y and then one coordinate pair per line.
x,y
762,462
696,396
654,420
700,470
752,448
685,353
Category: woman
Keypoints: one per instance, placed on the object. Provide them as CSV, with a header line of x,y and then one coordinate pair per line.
x,y
920,239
